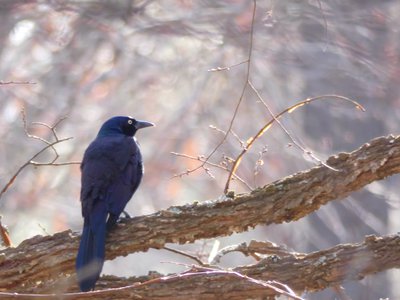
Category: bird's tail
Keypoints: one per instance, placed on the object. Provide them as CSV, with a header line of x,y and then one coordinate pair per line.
x,y
90,258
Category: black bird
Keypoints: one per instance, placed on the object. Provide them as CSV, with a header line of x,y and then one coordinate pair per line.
x,y
112,169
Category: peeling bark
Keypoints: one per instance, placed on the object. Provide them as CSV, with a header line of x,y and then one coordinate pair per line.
x,y
314,271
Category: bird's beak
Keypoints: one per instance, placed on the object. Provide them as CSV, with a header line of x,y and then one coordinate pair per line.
x,y
143,124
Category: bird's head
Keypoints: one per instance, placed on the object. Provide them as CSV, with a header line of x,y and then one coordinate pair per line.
x,y
122,125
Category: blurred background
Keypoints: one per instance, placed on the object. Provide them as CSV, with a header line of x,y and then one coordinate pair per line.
x,y
90,60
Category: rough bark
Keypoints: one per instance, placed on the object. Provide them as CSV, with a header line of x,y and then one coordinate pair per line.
x,y
313,271
51,258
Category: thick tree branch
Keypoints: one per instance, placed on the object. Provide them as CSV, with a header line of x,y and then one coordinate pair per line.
x,y
52,257
311,272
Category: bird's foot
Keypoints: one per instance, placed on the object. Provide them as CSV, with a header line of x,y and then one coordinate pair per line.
x,y
126,216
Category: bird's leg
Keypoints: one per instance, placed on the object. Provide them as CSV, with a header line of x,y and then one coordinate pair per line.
x,y
112,220
126,215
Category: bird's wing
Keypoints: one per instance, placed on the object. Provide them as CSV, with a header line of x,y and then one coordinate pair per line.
x,y
105,160
122,189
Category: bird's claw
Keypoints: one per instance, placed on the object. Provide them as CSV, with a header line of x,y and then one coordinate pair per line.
x,y
126,216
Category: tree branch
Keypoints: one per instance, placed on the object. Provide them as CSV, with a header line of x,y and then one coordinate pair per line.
x,y
312,272
51,258
49,145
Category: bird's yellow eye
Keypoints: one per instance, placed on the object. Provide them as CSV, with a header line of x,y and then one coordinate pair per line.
x,y
130,122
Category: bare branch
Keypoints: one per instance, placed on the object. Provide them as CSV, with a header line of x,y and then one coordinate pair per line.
x,y
268,125
312,272
194,278
305,151
49,145
202,159
15,82
218,69
229,130
253,249
196,259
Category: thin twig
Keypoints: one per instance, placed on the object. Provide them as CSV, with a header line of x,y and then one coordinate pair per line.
x,y
242,143
246,82
52,164
196,259
305,151
290,109
201,159
218,69
235,135
253,249
38,137
49,145
229,130
285,286
15,82
267,284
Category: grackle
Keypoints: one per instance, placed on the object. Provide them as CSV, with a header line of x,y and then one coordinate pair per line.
x,y
112,169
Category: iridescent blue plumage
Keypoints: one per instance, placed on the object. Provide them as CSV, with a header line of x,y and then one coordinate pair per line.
x,y
112,170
